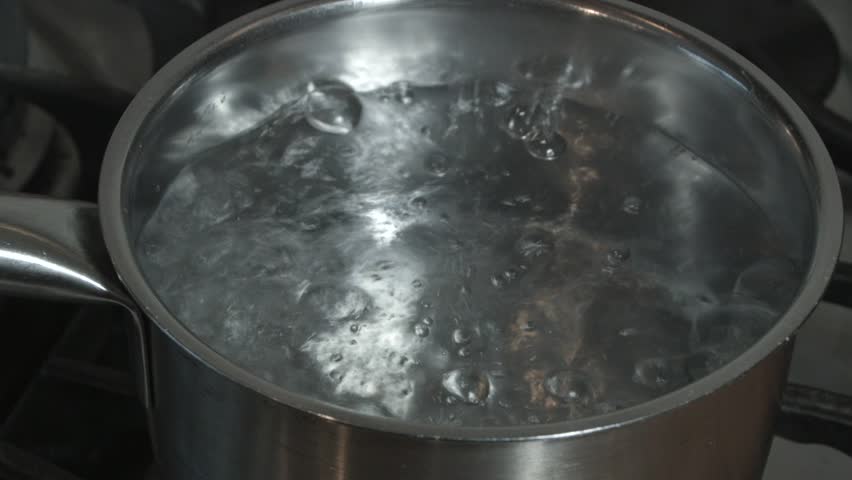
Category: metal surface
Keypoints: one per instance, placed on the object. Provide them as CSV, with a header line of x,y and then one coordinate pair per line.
x,y
53,249
208,429
214,420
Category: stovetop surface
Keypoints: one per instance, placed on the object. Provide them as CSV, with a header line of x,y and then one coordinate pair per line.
x,y
67,404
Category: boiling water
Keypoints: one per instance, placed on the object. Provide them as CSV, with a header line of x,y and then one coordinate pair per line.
x,y
468,254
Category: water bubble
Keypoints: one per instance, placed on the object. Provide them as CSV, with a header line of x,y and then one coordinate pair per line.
x,y
417,283
631,205
503,93
468,385
347,149
469,271
428,321
462,336
617,256
510,274
535,243
337,357
354,328
384,265
332,107
318,221
545,145
336,376
629,332
705,299
770,280
418,202
738,323
569,386
465,351
654,373
438,164
311,224
336,303
421,330
404,94
700,363
519,122
528,325
612,117
517,200
504,278
549,68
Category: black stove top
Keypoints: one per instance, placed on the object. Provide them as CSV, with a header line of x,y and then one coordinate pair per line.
x,y
67,401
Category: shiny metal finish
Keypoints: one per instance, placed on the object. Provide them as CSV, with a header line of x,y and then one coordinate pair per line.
x,y
210,430
216,421
53,249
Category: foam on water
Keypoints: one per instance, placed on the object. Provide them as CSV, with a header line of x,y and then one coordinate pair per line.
x,y
471,254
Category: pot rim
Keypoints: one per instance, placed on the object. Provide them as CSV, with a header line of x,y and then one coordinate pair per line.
x,y
825,193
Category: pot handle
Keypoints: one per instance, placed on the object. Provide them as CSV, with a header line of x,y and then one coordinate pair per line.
x,y
53,249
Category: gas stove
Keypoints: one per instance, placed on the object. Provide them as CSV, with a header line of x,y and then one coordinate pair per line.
x,y
68,407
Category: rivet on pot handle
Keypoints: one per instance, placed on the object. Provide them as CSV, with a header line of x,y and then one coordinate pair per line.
x,y
54,249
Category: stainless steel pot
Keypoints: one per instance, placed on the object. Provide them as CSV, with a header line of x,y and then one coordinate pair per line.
x,y
213,420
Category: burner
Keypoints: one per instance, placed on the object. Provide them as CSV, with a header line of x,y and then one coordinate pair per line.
x,y
13,51
38,155
80,413
788,39
778,35
838,14
13,36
